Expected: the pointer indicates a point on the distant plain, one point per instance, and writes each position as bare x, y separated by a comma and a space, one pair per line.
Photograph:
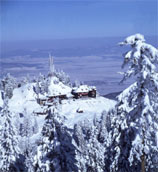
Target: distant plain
94, 61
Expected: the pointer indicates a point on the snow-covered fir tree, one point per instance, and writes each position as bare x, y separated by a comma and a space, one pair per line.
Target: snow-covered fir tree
27, 125
7, 84
26, 131
90, 153
35, 126
135, 125
25, 80
9, 150
63, 77
36, 88
42, 84
55, 152
46, 147
76, 83
91, 141
28, 154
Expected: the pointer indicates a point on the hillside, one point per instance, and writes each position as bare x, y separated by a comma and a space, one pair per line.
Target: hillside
23, 104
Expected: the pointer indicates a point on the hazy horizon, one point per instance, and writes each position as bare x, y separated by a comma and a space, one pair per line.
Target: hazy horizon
94, 61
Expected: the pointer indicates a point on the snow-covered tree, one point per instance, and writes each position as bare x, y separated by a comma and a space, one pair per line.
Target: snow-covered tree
63, 77
135, 128
42, 84
91, 140
35, 126
36, 88
7, 84
76, 83
42, 162
27, 125
55, 152
25, 80
26, 131
81, 147
9, 151
28, 154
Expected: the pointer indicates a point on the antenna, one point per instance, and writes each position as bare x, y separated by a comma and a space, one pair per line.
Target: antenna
51, 65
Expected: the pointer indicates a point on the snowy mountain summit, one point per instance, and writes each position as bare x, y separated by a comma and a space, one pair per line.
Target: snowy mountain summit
27, 98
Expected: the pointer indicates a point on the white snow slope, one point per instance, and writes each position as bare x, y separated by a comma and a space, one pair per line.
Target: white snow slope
24, 101
89, 108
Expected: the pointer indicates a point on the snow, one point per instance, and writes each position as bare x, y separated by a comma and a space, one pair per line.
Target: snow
123, 97
83, 89
91, 107
133, 39
24, 98
41, 96
58, 88
24, 101
40, 121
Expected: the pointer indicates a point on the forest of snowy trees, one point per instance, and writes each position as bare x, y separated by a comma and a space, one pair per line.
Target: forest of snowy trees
123, 139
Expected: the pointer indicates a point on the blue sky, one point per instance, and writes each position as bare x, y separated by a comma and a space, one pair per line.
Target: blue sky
35, 20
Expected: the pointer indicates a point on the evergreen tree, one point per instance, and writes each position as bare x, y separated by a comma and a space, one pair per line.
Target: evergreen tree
7, 84
80, 147
35, 126
42, 84
28, 154
36, 88
26, 146
9, 151
136, 122
55, 152
46, 147
25, 80
27, 125
76, 83
91, 140
63, 77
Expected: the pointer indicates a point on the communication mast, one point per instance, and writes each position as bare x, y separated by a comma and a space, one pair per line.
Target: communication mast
51, 66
